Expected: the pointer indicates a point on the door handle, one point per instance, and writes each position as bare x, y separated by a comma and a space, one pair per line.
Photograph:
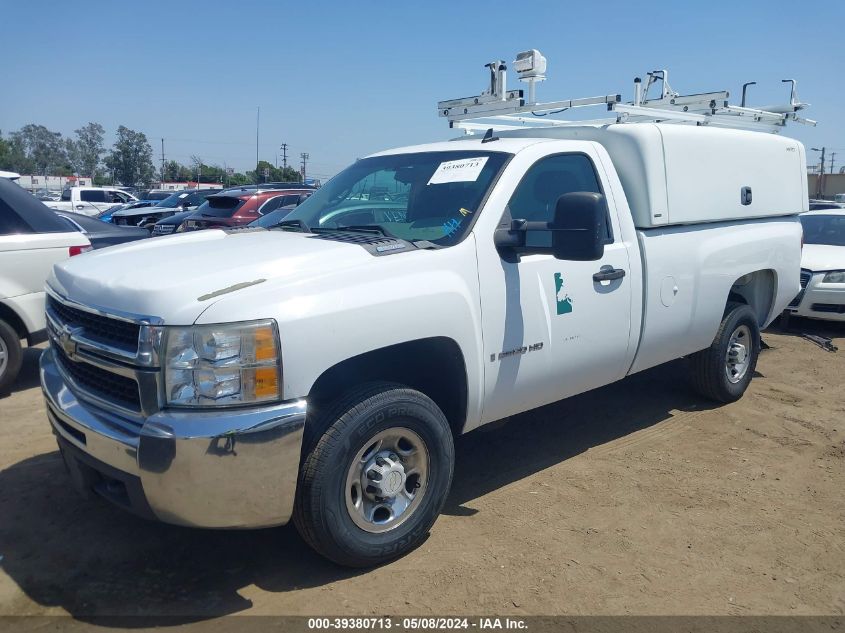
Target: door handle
609, 275
79, 207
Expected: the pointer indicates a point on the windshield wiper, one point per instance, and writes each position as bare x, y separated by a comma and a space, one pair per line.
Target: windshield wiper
292, 224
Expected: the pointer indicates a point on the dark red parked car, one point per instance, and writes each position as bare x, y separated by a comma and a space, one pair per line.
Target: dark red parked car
238, 207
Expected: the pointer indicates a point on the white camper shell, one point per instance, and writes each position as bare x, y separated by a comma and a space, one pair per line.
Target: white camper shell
682, 174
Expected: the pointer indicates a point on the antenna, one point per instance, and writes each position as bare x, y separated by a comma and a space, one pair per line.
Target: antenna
503, 109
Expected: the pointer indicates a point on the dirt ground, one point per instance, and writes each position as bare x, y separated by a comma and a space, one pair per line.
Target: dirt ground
638, 498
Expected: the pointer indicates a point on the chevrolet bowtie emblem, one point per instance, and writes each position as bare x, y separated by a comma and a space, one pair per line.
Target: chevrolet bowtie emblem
66, 341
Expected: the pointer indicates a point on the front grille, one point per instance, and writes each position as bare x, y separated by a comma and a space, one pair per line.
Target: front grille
121, 334
833, 308
99, 382
806, 275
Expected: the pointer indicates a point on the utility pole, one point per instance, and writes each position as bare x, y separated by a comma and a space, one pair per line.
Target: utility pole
162, 160
257, 121
305, 156
832, 156
284, 148
820, 183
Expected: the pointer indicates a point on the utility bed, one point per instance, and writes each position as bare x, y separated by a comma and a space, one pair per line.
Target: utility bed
682, 174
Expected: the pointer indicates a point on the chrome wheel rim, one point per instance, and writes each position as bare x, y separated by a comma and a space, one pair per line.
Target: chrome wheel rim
4, 357
387, 480
738, 356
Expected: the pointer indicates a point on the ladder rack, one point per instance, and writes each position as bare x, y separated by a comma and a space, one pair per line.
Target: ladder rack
502, 109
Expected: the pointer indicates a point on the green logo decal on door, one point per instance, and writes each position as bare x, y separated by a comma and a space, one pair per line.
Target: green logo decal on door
564, 304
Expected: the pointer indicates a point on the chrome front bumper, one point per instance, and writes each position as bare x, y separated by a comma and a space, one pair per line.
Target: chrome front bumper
234, 468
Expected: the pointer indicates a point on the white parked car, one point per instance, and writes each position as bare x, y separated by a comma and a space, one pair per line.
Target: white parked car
90, 200
822, 293
32, 239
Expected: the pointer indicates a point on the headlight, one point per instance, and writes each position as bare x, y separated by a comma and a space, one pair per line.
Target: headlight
218, 365
834, 277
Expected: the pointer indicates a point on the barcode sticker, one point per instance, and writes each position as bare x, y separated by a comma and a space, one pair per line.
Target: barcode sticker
463, 170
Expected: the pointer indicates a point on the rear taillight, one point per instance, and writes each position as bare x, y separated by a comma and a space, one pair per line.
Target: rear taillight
78, 250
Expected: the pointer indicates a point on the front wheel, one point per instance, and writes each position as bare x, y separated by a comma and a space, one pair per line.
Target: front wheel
375, 481
723, 371
11, 355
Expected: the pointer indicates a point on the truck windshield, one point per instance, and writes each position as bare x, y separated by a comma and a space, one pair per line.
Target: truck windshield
824, 229
430, 196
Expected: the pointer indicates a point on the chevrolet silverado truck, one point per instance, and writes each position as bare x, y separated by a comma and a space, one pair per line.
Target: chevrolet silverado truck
319, 370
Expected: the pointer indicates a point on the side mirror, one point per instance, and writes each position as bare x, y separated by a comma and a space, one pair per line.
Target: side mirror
579, 230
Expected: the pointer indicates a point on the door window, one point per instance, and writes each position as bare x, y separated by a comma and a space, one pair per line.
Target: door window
547, 180
92, 195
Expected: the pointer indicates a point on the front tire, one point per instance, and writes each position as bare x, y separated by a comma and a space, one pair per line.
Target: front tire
723, 371
375, 481
11, 356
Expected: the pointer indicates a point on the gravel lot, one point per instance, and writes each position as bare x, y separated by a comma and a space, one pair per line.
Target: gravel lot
636, 498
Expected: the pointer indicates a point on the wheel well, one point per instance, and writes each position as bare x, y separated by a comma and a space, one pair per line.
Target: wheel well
433, 366
757, 290
11, 317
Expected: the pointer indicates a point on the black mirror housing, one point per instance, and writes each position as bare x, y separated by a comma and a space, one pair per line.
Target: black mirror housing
579, 230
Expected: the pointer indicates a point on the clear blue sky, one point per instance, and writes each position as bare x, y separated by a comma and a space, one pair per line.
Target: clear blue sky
343, 79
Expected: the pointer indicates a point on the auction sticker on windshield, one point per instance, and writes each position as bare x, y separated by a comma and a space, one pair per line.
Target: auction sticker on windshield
463, 170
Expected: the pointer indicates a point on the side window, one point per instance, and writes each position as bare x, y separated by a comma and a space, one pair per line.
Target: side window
271, 205
92, 195
536, 195
10, 222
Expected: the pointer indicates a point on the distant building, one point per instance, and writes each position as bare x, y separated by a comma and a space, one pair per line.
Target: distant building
830, 185
35, 183
180, 186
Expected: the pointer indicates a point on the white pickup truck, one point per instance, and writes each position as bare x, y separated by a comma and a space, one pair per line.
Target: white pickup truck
319, 370
90, 200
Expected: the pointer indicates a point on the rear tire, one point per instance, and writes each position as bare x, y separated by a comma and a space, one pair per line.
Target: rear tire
377, 478
10, 356
723, 371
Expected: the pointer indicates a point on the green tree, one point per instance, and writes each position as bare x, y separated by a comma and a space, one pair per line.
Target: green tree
274, 174
43, 150
131, 158
85, 152
237, 179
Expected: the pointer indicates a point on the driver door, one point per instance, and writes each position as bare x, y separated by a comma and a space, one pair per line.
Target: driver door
550, 329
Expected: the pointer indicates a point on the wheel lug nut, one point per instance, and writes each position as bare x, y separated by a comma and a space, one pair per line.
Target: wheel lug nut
373, 475
381, 461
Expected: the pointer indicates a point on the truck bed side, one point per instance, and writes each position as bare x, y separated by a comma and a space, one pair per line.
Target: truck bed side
690, 271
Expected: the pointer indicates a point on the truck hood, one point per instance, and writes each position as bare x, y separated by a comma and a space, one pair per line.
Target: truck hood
175, 278
818, 257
